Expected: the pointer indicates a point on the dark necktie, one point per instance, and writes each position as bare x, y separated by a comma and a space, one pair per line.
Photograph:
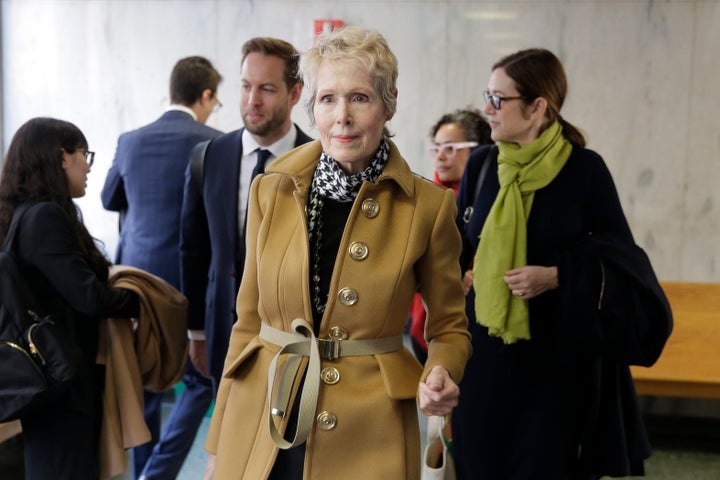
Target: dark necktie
262, 156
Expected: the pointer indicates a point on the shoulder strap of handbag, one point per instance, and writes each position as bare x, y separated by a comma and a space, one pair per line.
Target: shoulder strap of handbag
13, 289
12, 229
197, 164
491, 155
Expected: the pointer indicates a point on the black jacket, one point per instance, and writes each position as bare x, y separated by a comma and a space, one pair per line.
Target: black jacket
627, 322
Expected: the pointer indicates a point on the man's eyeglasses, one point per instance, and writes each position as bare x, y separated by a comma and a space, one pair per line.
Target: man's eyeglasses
497, 100
217, 105
450, 148
89, 157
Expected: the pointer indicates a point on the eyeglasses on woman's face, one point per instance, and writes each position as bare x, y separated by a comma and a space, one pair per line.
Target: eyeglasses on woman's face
89, 157
497, 100
450, 148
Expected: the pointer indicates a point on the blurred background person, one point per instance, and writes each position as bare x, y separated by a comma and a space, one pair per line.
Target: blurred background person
45, 168
215, 196
454, 137
145, 185
544, 395
374, 231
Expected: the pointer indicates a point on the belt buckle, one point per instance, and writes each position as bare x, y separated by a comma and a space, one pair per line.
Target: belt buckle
330, 349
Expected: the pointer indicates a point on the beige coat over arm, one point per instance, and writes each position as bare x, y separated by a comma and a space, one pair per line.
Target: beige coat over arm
411, 242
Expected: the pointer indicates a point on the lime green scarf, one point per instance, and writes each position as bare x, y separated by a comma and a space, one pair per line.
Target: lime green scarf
503, 240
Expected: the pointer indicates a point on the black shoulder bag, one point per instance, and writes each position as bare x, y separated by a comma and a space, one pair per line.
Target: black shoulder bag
197, 164
37, 356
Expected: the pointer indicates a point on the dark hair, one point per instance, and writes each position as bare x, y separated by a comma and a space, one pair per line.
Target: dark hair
537, 72
472, 122
278, 48
32, 172
190, 77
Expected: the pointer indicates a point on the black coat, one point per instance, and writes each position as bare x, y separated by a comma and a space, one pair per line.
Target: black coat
60, 279
61, 440
627, 320
527, 409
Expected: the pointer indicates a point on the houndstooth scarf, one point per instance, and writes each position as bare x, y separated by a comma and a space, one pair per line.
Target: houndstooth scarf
331, 182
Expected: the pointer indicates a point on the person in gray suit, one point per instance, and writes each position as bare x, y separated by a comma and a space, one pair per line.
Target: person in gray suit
145, 184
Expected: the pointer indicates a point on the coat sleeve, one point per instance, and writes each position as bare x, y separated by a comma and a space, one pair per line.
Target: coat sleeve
247, 326
48, 243
440, 282
604, 213
194, 251
113, 192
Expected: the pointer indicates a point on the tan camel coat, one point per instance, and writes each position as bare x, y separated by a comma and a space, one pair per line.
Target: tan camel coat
151, 356
411, 242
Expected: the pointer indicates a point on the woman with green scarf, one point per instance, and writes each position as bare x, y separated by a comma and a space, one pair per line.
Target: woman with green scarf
526, 400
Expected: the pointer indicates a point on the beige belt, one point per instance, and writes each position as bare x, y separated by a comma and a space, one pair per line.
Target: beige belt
303, 343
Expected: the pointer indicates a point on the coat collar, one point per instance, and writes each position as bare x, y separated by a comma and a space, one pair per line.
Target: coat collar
300, 164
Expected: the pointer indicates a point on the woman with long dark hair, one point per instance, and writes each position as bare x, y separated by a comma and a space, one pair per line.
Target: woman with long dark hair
46, 166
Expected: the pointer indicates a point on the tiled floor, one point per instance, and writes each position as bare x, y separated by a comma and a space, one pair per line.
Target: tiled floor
695, 461
683, 449
680, 453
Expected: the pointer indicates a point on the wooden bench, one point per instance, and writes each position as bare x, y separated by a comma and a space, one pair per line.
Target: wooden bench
690, 363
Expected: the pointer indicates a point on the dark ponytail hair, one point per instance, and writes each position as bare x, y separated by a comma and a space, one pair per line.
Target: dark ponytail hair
32, 172
537, 72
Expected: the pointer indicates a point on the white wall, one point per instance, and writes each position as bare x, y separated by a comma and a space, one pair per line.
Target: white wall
643, 84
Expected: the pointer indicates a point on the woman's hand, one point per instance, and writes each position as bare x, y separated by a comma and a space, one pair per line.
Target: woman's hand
468, 280
531, 280
438, 394
210, 468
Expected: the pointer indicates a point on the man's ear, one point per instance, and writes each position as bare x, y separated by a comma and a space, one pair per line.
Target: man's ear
207, 95
295, 93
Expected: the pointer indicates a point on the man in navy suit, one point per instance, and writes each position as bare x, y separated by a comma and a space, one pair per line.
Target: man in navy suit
213, 216
145, 184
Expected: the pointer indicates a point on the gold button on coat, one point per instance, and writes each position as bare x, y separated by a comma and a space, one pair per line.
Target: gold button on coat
338, 333
370, 208
326, 421
358, 250
348, 296
330, 375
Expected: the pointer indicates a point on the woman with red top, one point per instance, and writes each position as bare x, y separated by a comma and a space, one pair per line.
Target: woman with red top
454, 137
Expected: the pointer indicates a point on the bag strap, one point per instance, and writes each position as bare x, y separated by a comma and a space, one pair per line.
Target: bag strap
12, 229
492, 155
197, 164
16, 295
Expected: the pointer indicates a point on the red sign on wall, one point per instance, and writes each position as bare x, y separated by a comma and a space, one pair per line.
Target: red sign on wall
327, 25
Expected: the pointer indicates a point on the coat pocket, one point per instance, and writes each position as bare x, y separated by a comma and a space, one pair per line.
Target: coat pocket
400, 373
253, 346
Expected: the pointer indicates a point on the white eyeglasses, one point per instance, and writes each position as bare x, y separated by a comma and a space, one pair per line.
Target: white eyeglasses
450, 148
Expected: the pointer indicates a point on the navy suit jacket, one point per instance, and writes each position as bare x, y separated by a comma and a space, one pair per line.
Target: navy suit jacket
212, 258
145, 184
